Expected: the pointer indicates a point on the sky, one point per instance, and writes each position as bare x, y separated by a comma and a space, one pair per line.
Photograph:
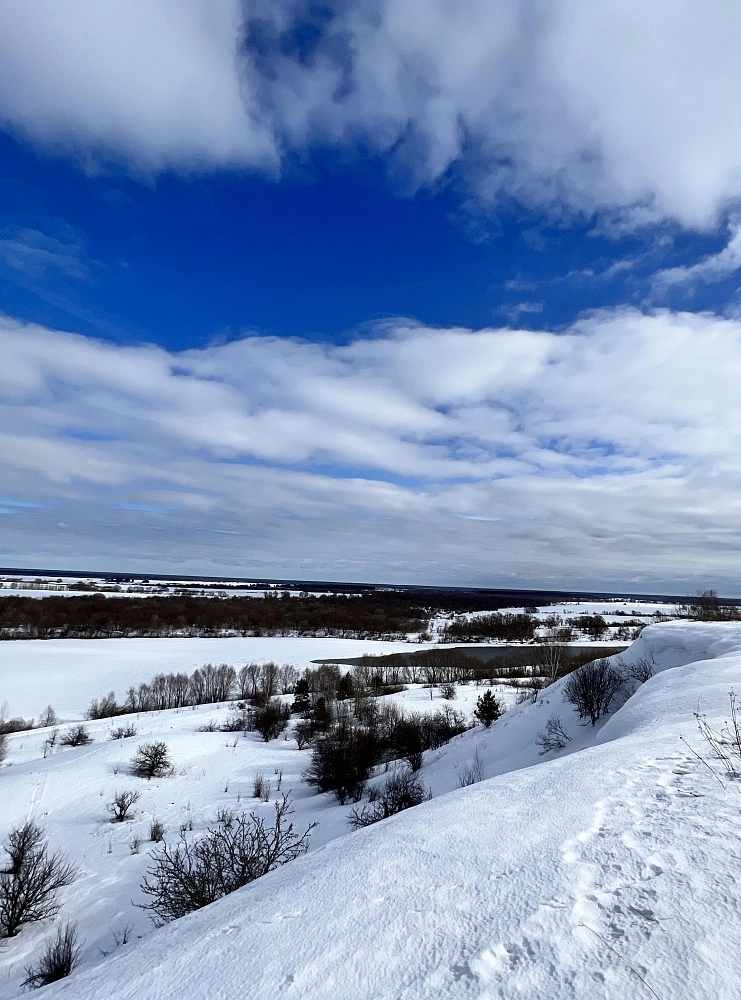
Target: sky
407, 291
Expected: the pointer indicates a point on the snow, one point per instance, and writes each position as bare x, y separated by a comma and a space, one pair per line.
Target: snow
69, 673
564, 877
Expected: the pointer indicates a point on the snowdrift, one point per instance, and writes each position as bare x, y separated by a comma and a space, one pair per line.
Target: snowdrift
610, 871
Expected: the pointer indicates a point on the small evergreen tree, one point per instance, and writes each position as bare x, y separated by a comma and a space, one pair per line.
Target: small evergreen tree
488, 708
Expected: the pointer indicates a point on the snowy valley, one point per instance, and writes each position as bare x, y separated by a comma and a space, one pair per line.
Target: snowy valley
601, 869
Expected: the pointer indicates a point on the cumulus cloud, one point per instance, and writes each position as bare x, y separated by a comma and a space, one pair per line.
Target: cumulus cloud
415, 454
626, 110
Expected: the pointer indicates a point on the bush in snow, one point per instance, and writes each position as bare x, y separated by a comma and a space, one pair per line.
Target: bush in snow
30, 880
554, 737
342, 760
401, 790
77, 736
3, 747
592, 688
61, 955
123, 732
151, 760
105, 708
488, 708
120, 805
156, 831
725, 742
642, 670
448, 691
261, 788
271, 720
193, 874
473, 773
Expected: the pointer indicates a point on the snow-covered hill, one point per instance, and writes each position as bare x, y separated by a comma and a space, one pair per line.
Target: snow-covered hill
609, 871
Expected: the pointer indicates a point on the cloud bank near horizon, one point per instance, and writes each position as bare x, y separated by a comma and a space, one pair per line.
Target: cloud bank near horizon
565, 108
414, 454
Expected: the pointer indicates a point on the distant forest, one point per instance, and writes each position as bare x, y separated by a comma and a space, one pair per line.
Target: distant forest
373, 615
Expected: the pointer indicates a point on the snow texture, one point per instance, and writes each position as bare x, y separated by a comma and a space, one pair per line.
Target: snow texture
607, 869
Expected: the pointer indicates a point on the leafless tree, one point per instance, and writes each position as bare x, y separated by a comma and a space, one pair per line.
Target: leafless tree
121, 804
151, 760
193, 874
642, 670
550, 657
592, 687
48, 717
77, 736
31, 879
554, 737
105, 708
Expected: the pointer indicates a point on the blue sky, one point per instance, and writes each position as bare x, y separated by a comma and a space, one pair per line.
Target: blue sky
424, 291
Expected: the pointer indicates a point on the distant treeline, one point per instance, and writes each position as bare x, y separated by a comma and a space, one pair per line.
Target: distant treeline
376, 615
98, 616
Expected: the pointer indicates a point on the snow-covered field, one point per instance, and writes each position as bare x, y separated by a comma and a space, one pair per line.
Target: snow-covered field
69, 673
604, 870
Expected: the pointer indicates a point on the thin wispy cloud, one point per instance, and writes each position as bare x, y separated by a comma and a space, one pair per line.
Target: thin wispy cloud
37, 255
714, 267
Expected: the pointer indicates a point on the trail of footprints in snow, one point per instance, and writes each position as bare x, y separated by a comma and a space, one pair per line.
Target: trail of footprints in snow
611, 871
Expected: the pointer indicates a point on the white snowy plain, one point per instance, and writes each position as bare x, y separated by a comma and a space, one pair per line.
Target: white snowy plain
607, 869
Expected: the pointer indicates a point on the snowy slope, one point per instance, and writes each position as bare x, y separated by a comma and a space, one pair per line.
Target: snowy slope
546, 881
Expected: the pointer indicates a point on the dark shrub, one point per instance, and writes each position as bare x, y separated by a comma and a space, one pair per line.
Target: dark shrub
592, 687
61, 955
120, 805
342, 761
151, 760
193, 874
77, 736
30, 880
401, 790
488, 708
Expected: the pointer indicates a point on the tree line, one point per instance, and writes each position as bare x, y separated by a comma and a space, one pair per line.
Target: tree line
98, 616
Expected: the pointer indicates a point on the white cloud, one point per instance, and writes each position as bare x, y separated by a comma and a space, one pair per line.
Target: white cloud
418, 454
714, 267
628, 110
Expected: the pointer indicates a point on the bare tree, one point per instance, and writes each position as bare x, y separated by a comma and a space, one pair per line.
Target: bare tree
48, 717
120, 805
77, 736
550, 657
193, 874
554, 737
287, 676
3, 746
642, 670
104, 708
61, 955
592, 687
30, 882
151, 760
